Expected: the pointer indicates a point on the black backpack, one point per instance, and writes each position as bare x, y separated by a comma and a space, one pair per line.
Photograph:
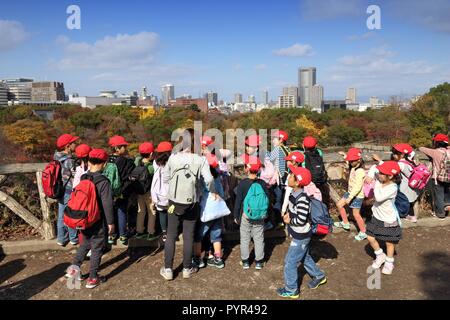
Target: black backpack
314, 163
141, 179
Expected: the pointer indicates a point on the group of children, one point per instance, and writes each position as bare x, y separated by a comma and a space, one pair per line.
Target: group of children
189, 192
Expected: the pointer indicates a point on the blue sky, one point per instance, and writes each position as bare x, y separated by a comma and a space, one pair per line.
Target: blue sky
228, 46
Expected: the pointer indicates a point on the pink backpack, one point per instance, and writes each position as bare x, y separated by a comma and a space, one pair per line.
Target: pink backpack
419, 177
269, 174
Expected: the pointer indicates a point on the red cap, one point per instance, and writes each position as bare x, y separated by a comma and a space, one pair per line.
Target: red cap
164, 146
309, 142
280, 134
353, 154
303, 175
253, 162
253, 141
82, 151
117, 141
146, 148
206, 141
403, 148
212, 160
99, 154
65, 140
389, 168
295, 156
441, 138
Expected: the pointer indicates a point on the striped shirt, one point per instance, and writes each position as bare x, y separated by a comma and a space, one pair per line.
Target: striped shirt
277, 158
299, 211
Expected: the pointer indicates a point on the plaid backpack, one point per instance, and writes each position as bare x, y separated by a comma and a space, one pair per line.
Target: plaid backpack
443, 174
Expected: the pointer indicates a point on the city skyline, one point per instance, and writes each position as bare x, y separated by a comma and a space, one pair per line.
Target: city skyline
152, 52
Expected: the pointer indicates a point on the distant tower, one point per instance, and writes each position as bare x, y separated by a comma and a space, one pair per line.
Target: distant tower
144, 92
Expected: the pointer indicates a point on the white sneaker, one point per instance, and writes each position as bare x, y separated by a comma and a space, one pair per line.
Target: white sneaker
187, 273
378, 262
388, 268
166, 273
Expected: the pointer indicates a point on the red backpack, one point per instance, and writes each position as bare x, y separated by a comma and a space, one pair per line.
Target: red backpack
83, 210
52, 180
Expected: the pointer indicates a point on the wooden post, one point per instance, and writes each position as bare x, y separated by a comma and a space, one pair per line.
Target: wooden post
47, 225
26, 215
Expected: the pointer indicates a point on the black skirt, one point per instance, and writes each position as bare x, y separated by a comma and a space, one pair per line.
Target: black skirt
377, 229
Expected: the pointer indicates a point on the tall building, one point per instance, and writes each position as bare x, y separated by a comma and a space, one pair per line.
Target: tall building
213, 98
351, 96
265, 97
3, 95
144, 93
292, 91
238, 98
316, 99
251, 99
306, 80
18, 89
47, 91
374, 102
168, 93
286, 101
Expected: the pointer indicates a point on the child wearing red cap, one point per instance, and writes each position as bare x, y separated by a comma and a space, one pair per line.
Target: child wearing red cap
94, 238
299, 228
81, 163
124, 166
160, 188
354, 197
145, 206
250, 228
385, 224
66, 145
440, 155
212, 210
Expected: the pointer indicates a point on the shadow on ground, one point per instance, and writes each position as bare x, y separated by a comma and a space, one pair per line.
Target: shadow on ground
435, 277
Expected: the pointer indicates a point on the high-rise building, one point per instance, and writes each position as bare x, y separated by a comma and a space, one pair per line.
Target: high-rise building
251, 99
265, 97
286, 101
238, 98
213, 98
168, 93
292, 91
316, 98
144, 93
351, 95
18, 89
47, 91
306, 80
3, 95
374, 102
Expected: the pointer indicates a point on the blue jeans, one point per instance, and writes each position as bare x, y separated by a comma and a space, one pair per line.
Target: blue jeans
356, 202
65, 234
299, 252
120, 210
213, 227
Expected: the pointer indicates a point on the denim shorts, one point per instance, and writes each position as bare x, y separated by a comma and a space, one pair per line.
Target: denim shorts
214, 228
356, 202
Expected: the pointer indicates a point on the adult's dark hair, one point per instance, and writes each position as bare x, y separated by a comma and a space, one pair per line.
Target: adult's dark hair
96, 161
441, 144
162, 158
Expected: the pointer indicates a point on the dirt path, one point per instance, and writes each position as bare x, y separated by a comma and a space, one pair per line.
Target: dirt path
422, 272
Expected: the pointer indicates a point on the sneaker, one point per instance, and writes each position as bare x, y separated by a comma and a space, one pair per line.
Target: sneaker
187, 273
388, 268
378, 262
317, 282
74, 243
413, 219
123, 240
93, 283
141, 235
198, 262
259, 265
282, 292
151, 237
164, 236
361, 236
216, 262
245, 264
340, 224
166, 273
61, 244
112, 240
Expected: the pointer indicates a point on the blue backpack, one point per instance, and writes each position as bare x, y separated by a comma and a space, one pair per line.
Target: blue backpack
321, 222
256, 203
402, 204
